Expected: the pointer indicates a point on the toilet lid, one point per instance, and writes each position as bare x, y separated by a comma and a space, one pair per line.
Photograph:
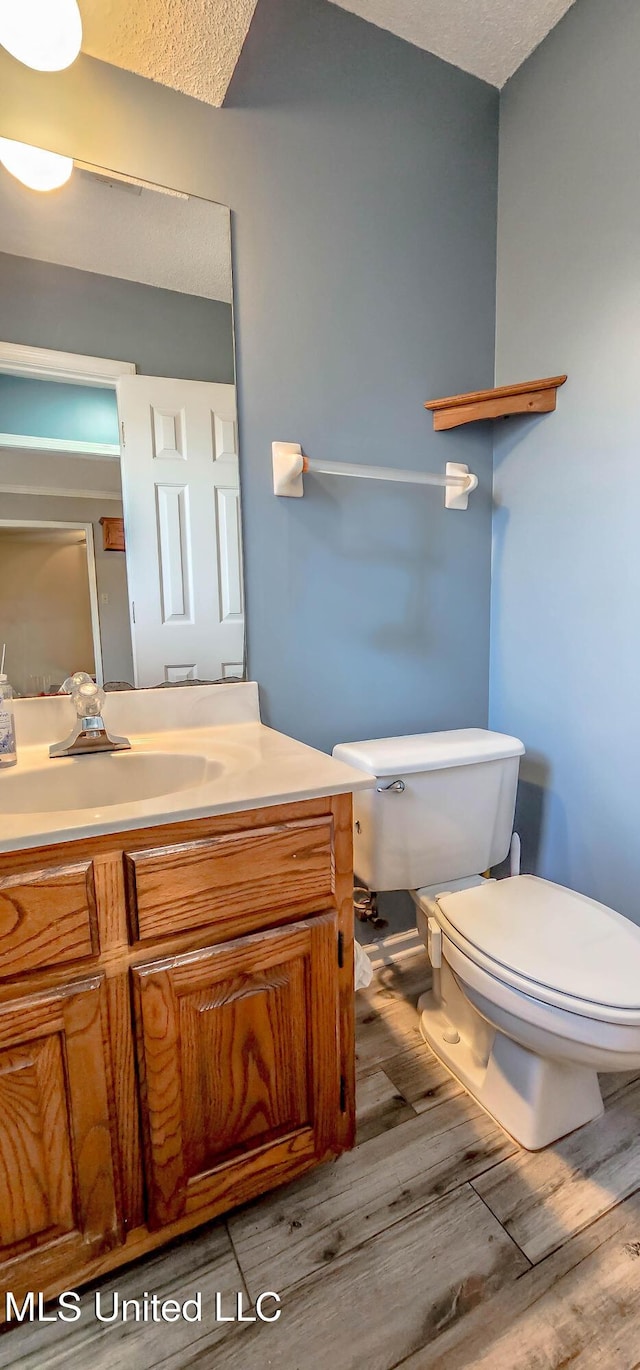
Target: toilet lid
554, 938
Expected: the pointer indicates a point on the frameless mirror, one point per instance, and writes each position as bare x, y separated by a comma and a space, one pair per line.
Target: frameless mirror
120, 537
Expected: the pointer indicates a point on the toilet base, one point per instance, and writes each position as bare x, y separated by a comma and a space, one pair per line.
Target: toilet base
536, 1100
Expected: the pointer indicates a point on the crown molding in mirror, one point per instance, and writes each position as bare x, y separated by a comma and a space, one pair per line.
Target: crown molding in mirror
57, 492
44, 364
70, 446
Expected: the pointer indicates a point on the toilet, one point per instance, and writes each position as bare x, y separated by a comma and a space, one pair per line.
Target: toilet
535, 987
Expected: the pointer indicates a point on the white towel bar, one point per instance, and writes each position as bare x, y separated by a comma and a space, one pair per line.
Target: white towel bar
289, 466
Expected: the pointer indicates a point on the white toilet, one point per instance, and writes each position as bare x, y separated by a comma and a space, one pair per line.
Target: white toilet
535, 987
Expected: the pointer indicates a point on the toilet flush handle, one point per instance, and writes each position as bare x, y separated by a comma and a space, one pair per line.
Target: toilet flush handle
395, 787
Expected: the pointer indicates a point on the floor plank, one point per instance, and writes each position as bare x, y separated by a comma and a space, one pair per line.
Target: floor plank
579, 1307
542, 1198
420, 1078
301, 1229
407, 975
379, 1105
616, 1082
396, 1292
386, 1012
204, 1262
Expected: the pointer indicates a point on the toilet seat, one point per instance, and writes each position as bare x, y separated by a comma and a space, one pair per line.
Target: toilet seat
549, 943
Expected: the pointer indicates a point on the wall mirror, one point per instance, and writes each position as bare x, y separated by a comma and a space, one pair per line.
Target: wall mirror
120, 534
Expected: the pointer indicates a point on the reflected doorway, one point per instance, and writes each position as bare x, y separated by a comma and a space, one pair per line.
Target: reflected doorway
48, 604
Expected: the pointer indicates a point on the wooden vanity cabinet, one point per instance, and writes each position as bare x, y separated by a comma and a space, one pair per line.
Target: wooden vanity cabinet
176, 1031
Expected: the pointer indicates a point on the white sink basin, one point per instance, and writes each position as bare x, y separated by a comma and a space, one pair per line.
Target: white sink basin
99, 782
195, 753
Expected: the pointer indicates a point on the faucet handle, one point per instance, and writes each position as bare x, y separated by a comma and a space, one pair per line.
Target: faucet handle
89, 700
73, 682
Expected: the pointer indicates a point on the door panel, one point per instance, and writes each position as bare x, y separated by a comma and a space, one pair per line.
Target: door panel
229, 553
238, 1058
174, 550
181, 503
57, 1175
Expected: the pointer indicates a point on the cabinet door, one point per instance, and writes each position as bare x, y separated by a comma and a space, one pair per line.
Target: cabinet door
239, 1064
58, 1205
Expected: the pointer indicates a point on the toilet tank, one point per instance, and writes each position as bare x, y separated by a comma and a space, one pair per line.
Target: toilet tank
451, 816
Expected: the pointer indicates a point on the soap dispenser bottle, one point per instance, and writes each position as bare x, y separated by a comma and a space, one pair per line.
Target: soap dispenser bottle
8, 754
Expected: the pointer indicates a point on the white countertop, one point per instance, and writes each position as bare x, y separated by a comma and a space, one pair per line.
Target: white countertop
245, 765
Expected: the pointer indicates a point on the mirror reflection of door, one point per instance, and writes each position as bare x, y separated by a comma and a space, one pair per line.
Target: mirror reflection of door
105, 269
180, 479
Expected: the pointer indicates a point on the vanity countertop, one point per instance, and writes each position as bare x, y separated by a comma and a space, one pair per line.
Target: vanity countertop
206, 744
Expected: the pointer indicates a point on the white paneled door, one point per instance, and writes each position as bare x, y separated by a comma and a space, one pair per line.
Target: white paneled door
182, 520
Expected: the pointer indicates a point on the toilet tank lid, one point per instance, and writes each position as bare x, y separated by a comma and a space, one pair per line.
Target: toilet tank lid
428, 751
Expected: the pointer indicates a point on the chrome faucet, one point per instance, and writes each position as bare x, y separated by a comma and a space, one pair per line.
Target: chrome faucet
89, 733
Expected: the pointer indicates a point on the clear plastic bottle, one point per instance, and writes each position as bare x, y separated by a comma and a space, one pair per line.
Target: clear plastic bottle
8, 753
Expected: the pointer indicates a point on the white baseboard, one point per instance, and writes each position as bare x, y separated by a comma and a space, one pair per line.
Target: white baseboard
395, 946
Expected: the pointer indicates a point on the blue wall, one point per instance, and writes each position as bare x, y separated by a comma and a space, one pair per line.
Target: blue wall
46, 409
565, 662
364, 184
164, 332
361, 173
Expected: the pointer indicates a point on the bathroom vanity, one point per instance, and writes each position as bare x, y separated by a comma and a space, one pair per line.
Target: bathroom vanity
176, 979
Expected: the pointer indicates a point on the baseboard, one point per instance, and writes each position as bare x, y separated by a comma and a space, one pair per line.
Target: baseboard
394, 947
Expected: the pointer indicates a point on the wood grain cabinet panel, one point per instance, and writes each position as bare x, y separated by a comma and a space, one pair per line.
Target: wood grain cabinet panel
57, 1182
38, 1194
235, 881
47, 918
239, 1065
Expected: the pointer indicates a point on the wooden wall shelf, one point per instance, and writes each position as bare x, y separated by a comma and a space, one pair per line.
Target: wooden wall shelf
530, 397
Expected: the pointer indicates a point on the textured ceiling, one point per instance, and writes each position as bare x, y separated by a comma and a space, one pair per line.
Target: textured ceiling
489, 38
179, 243
189, 45
193, 45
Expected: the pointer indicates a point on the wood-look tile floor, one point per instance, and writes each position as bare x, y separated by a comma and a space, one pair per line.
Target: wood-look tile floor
436, 1243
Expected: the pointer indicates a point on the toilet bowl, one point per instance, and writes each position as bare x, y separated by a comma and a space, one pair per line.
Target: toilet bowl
535, 990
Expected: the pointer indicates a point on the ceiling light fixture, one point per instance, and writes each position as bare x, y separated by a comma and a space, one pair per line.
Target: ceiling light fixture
37, 169
44, 34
